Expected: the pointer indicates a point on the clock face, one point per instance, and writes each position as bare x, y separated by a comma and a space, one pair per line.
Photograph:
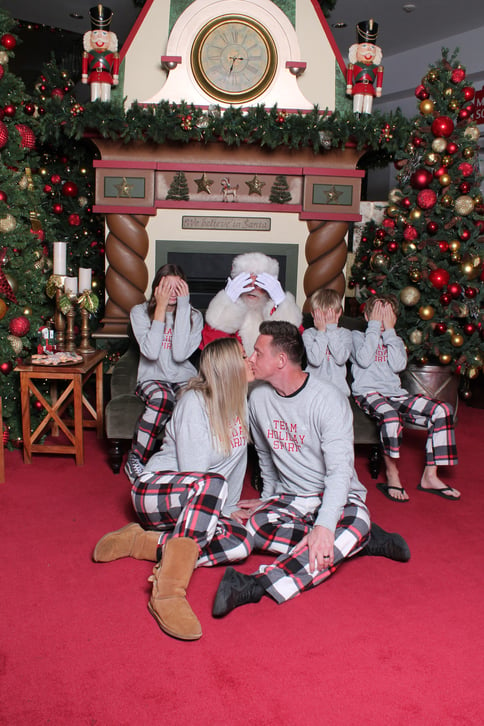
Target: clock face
234, 58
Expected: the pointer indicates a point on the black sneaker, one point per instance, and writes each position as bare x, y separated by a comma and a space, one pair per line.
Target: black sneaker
235, 589
133, 467
386, 544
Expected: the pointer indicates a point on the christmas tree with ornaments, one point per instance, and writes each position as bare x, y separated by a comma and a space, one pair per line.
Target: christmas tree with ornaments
428, 250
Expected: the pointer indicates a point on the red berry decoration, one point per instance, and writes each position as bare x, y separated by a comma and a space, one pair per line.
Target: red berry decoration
439, 278
465, 187
426, 199
26, 135
421, 179
69, 189
19, 326
8, 41
442, 126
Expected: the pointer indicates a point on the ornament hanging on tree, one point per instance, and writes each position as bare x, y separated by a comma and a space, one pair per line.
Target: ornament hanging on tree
8, 41
19, 326
3, 135
27, 136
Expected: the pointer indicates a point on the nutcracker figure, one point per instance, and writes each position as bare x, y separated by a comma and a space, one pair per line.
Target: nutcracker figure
364, 69
100, 61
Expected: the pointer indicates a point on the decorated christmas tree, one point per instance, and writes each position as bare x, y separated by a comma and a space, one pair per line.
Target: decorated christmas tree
427, 250
24, 307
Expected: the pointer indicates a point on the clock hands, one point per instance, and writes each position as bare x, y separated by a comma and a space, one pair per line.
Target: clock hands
233, 58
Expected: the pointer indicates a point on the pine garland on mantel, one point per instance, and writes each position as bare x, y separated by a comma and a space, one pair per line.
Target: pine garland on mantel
271, 128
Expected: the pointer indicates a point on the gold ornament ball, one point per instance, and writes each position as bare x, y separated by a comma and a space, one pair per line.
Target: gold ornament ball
439, 144
15, 343
445, 358
392, 211
379, 261
431, 158
415, 214
3, 308
454, 245
8, 223
416, 336
43, 171
464, 205
409, 295
409, 248
477, 198
468, 152
449, 92
27, 311
447, 160
457, 340
3, 57
426, 312
423, 360
378, 243
445, 180
471, 266
472, 133
455, 257
447, 200
12, 282
432, 75
415, 274
426, 107
476, 359
453, 105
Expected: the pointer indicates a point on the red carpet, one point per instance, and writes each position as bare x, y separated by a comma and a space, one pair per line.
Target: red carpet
379, 643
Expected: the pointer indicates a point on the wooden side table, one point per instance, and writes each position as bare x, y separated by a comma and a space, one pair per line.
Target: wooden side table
76, 377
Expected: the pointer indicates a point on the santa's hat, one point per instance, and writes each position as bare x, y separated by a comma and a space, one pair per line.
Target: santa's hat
254, 263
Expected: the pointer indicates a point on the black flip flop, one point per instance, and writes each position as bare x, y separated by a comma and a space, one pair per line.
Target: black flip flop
440, 493
383, 488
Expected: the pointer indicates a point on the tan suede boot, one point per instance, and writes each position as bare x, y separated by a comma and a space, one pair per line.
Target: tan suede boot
170, 579
129, 541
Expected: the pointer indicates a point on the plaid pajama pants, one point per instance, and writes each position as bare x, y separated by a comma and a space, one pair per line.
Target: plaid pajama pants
159, 398
282, 523
436, 416
189, 504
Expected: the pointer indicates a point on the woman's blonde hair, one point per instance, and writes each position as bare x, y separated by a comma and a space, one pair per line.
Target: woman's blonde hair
222, 381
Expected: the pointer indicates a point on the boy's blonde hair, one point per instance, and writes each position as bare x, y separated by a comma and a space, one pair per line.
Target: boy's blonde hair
388, 299
326, 298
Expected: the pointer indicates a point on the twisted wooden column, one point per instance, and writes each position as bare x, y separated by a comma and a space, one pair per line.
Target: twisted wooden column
127, 245
326, 253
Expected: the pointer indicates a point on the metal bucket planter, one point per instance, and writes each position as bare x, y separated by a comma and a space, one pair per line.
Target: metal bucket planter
432, 381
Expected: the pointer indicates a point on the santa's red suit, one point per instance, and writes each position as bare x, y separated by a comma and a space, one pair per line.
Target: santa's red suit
226, 318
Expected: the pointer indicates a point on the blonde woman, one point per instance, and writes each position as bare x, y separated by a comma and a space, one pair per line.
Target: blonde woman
190, 489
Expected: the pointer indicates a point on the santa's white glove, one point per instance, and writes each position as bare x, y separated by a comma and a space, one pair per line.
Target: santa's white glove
238, 285
272, 286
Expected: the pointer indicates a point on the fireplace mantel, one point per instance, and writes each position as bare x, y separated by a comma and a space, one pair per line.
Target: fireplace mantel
137, 181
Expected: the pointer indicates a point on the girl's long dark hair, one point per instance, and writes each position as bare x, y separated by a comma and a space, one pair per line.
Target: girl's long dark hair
163, 271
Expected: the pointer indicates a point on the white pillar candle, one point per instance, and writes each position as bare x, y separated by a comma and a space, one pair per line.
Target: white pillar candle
70, 285
85, 277
60, 255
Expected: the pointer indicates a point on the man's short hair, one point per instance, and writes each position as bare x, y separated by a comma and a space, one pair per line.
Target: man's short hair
325, 299
388, 299
285, 337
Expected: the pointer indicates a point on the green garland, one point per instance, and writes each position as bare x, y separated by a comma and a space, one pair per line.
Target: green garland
166, 122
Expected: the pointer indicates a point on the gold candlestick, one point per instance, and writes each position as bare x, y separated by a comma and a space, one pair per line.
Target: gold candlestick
59, 322
85, 346
70, 341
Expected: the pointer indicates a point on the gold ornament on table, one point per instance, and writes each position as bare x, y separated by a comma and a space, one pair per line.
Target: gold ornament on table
409, 295
416, 337
464, 205
426, 312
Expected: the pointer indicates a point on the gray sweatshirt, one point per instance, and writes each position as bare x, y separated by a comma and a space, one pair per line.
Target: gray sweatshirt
305, 445
188, 445
377, 358
327, 352
166, 346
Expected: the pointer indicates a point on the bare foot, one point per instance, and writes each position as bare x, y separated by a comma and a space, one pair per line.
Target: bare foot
430, 480
393, 479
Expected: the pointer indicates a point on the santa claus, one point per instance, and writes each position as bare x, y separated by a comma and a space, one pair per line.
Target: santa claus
252, 294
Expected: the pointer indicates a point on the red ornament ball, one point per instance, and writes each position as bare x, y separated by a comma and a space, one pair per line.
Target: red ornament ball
27, 136
470, 292
57, 208
454, 289
432, 227
451, 148
57, 93
74, 220
464, 188
1, 72
392, 246
440, 328
8, 41
19, 326
410, 233
442, 126
421, 92
69, 189
439, 278
443, 245
3, 196
466, 169
380, 234
426, 199
421, 178
469, 328
464, 234
469, 93
9, 110
458, 75
6, 367
463, 114
445, 299
29, 109
55, 179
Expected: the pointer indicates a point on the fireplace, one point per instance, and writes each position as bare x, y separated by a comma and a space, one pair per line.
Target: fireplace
207, 264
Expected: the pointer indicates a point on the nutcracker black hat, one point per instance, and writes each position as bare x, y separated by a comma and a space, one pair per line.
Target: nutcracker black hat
367, 31
101, 17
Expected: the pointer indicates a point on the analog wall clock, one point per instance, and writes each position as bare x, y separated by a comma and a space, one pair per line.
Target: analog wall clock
233, 58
